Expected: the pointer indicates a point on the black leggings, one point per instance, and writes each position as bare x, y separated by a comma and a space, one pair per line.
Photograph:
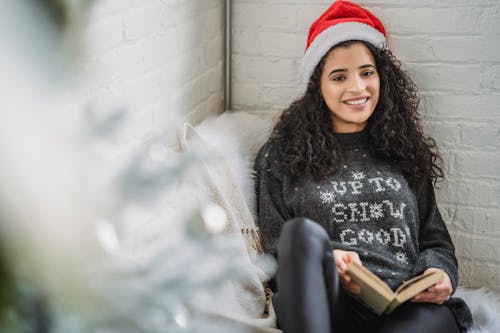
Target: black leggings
310, 300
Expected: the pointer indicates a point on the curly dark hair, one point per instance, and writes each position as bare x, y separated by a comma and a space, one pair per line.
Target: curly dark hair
307, 145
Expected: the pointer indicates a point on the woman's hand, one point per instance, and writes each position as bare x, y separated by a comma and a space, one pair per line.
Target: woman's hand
439, 293
342, 258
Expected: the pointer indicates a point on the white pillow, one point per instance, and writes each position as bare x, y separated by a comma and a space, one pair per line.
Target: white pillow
238, 136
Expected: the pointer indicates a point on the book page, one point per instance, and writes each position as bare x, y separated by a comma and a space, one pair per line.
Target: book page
374, 292
414, 286
419, 280
420, 283
363, 275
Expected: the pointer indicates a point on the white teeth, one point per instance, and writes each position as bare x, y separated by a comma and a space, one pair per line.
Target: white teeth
357, 101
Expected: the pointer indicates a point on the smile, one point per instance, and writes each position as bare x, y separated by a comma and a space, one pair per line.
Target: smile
356, 101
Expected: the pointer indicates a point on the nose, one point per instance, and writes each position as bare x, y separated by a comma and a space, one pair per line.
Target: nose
357, 85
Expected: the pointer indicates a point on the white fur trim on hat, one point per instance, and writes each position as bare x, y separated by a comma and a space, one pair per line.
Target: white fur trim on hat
334, 35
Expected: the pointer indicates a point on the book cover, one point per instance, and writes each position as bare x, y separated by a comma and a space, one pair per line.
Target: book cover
380, 297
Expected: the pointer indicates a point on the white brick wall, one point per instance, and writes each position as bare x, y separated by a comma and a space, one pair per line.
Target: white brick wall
452, 49
153, 58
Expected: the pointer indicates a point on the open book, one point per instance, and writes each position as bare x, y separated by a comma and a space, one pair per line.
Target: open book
380, 297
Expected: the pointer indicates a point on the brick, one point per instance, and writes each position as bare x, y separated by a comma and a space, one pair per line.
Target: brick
104, 9
114, 65
465, 272
268, 43
437, 21
489, 22
195, 91
495, 77
103, 35
453, 134
213, 51
478, 163
476, 274
213, 23
172, 76
159, 49
462, 106
444, 48
280, 17
482, 137
271, 70
480, 193
486, 274
177, 12
446, 77
188, 35
142, 21
207, 5
139, 91
287, 2
306, 16
446, 134
285, 93
472, 220
463, 245
209, 107
246, 95
464, 3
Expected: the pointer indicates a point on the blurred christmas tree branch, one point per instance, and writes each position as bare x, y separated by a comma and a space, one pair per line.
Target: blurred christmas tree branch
66, 264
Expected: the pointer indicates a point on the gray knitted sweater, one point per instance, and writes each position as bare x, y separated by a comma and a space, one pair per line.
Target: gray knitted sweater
367, 206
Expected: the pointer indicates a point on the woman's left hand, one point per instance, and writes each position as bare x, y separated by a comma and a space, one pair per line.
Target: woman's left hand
439, 293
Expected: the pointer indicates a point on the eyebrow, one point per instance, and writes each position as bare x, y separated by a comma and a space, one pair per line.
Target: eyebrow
345, 69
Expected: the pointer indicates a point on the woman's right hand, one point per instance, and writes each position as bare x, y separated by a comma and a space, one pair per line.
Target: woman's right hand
342, 258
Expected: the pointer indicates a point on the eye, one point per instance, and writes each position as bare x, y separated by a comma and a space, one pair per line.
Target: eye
368, 73
338, 78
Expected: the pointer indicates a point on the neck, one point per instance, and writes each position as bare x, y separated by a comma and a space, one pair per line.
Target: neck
348, 128
352, 140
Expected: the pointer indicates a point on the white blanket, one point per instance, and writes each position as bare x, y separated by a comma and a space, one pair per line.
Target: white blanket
226, 176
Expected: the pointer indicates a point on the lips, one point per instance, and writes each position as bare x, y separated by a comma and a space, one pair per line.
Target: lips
357, 101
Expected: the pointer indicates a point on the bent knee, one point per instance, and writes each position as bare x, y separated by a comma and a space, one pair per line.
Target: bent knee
303, 235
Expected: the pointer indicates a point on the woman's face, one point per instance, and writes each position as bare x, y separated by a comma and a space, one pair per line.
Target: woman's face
350, 86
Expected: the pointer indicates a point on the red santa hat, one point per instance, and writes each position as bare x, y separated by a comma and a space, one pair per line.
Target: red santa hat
341, 22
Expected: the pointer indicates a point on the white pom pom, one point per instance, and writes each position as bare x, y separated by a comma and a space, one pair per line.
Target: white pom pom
214, 217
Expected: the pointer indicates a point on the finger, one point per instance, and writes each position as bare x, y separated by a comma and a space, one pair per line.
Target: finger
353, 288
427, 297
341, 268
339, 255
434, 300
440, 289
356, 290
430, 270
345, 278
353, 256
424, 297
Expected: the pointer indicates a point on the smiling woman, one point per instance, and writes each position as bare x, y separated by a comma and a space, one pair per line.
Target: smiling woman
347, 175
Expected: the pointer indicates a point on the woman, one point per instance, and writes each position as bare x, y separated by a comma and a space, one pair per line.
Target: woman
347, 175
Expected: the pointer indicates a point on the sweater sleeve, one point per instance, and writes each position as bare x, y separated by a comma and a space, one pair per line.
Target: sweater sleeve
271, 210
436, 248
